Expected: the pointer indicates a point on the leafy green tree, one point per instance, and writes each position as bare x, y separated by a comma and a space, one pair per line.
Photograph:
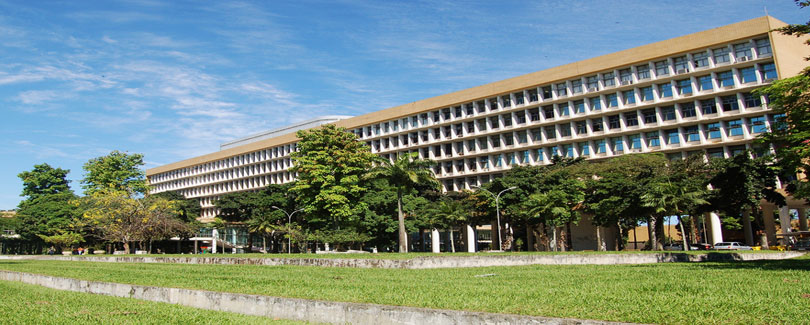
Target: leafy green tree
47, 208
329, 165
449, 213
117, 171
404, 173
63, 240
188, 209
558, 204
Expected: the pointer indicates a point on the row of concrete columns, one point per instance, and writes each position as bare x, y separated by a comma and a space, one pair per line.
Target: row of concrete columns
470, 238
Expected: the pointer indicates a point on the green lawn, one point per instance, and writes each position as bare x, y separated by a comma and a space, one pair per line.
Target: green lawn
728, 292
30, 304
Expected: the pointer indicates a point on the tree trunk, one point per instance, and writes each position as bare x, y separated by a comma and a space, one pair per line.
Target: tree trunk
683, 234
452, 242
422, 239
249, 242
659, 228
126, 247
403, 236
529, 237
651, 230
264, 244
599, 245
554, 238
693, 229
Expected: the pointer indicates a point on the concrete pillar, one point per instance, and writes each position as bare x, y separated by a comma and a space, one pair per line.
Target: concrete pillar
715, 228
195, 247
234, 241
434, 240
802, 219
471, 240
770, 227
784, 222
749, 236
214, 235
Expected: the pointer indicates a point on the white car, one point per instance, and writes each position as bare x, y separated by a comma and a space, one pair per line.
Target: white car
732, 246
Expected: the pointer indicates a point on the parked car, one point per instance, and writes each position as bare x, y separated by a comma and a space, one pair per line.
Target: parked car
801, 245
731, 246
673, 247
700, 247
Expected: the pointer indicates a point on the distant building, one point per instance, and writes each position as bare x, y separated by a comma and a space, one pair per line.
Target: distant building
690, 95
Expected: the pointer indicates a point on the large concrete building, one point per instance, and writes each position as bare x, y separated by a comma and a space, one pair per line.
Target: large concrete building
684, 96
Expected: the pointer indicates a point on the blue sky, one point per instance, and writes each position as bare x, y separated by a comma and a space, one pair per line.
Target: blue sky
173, 79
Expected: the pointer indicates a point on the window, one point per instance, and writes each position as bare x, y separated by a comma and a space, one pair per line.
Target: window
518, 98
700, 59
481, 107
652, 139
748, 75
471, 145
626, 76
533, 95
524, 157
537, 135
579, 106
495, 140
612, 100
584, 149
629, 97
609, 79
725, 79
468, 109
470, 127
601, 146
643, 72
576, 86
617, 145
721, 55
568, 149
734, 128
705, 83
563, 109
520, 117
548, 111
522, 136
554, 151
730, 103
507, 120
736, 150
668, 113
681, 64
483, 143
742, 50
593, 83
498, 160
673, 137
508, 139
715, 153
665, 90
493, 122
546, 92
581, 127
614, 122
687, 109
713, 131
493, 104
634, 141
596, 104
551, 132
768, 71
482, 124
751, 100
565, 130
649, 116
646, 93
684, 86
757, 124
534, 114
484, 161
457, 112
631, 118
661, 68
691, 133
596, 125
540, 154
561, 89
708, 106
763, 46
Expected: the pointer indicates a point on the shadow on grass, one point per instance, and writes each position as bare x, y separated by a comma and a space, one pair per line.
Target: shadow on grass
793, 264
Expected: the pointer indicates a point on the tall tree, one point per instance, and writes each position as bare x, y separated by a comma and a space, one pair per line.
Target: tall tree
404, 173
47, 209
560, 203
449, 212
117, 171
329, 165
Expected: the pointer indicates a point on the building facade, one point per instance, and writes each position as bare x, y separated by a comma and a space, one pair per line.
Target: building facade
690, 95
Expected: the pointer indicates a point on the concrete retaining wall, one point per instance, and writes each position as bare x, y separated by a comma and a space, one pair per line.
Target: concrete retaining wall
430, 262
286, 308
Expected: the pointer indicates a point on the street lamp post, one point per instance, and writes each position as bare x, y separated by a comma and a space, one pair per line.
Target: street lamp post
289, 233
497, 210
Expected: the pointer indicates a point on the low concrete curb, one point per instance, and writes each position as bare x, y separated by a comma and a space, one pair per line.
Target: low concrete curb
286, 308
432, 262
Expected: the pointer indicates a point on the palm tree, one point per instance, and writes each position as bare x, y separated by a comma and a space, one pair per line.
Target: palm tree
404, 173
449, 212
263, 225
670, 198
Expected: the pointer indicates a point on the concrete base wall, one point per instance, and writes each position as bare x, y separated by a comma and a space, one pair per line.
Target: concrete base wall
431, 262
286, 308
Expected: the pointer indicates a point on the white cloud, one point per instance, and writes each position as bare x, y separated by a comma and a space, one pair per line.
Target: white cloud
35, 97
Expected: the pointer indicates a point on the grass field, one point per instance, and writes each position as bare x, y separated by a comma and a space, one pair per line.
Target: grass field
31, 304
728, 292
